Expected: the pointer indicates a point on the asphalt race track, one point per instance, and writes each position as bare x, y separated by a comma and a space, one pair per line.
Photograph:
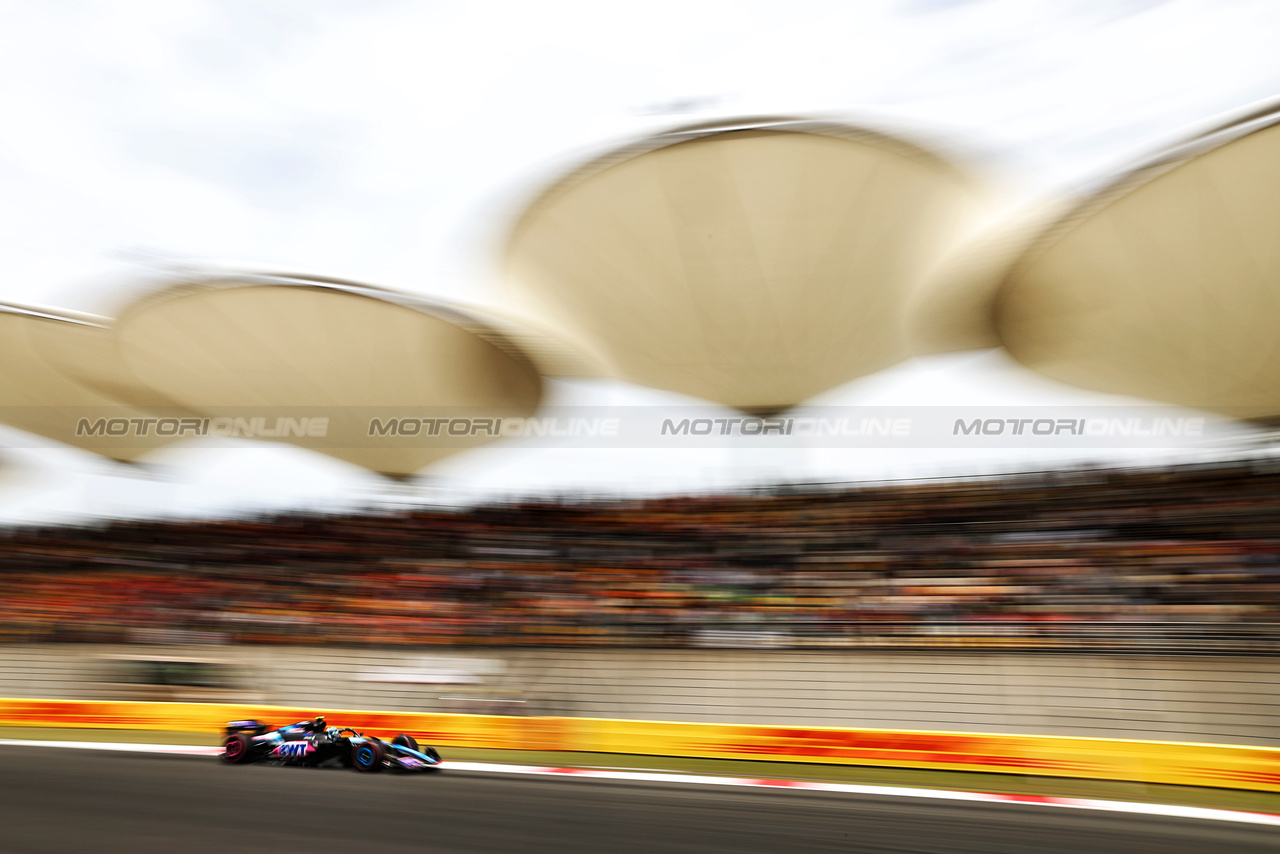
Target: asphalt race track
60, 800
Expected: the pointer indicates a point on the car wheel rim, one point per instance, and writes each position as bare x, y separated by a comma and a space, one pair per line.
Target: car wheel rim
233, 749
365, 756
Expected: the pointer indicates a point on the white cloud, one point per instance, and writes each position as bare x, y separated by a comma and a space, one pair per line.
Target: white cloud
389, 141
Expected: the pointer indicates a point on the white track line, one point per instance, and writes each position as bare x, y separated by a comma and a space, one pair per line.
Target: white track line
1166, 810
186, 749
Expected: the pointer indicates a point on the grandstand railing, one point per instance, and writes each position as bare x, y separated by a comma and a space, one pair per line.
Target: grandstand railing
1061, 635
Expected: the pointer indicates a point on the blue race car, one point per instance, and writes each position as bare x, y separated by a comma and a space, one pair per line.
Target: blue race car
313, 744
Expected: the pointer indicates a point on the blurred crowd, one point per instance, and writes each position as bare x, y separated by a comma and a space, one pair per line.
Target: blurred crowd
1181, 556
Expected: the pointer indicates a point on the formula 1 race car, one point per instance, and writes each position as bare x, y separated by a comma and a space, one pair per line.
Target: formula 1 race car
312, 744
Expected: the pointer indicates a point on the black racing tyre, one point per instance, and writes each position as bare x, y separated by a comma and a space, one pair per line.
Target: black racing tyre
367, 756
405, 741
236, 748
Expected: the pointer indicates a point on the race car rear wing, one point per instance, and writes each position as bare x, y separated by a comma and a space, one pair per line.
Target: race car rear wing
255, 727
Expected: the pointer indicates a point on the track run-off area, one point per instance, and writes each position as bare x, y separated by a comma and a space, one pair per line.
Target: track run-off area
142, 798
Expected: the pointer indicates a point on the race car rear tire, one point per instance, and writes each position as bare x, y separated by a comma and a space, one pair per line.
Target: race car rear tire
405, 741
367, 757
235, 750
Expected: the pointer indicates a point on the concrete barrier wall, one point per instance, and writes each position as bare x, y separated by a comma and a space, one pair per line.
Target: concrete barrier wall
1213, 699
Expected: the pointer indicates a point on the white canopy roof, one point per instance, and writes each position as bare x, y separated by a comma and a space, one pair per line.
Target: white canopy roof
755, 263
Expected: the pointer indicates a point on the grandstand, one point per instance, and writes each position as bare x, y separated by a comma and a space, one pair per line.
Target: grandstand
1178, 559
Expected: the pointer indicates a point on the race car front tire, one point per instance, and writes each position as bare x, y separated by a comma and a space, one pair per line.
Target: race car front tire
405, 741
367, 757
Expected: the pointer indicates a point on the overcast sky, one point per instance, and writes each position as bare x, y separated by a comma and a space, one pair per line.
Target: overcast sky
392, 142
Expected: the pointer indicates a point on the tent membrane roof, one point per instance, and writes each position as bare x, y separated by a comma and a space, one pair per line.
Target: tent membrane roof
753, 262
272, 347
